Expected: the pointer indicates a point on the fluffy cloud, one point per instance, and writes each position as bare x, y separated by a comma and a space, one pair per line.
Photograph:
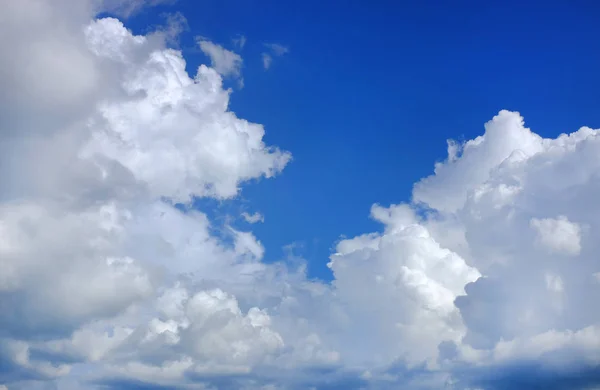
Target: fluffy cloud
558, 234
406, 266
526, 214
93, 155
490, 270
204, 334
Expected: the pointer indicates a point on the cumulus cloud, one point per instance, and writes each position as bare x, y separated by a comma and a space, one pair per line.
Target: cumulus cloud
521, 209
406, 266
489, 270
93, 157
558, 235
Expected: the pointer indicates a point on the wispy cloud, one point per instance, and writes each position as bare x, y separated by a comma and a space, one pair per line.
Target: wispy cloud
239, 41
175, 24
127, 8
225, 62
267, 60
253, 218
277, 49
273, 50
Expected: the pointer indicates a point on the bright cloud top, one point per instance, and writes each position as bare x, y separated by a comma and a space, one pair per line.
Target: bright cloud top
105, 284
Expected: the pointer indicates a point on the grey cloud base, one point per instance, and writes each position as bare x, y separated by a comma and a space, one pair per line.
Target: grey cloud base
105, 284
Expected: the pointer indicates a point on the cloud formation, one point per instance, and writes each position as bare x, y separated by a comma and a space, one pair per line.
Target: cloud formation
485, 279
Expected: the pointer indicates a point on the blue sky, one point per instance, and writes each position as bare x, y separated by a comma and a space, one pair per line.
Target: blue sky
370, 91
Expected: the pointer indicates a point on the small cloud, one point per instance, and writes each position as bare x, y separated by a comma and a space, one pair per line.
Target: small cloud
225, 62
176, 23
253, 218
267, 60
127, 8
291, 248
239, 41
275, 49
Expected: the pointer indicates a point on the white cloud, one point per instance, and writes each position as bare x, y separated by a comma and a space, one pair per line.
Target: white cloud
105, 283
172, 124
403, 285
274, 49
558, 235
505, 138
502, 192
87, 239
225, 62
253, 218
